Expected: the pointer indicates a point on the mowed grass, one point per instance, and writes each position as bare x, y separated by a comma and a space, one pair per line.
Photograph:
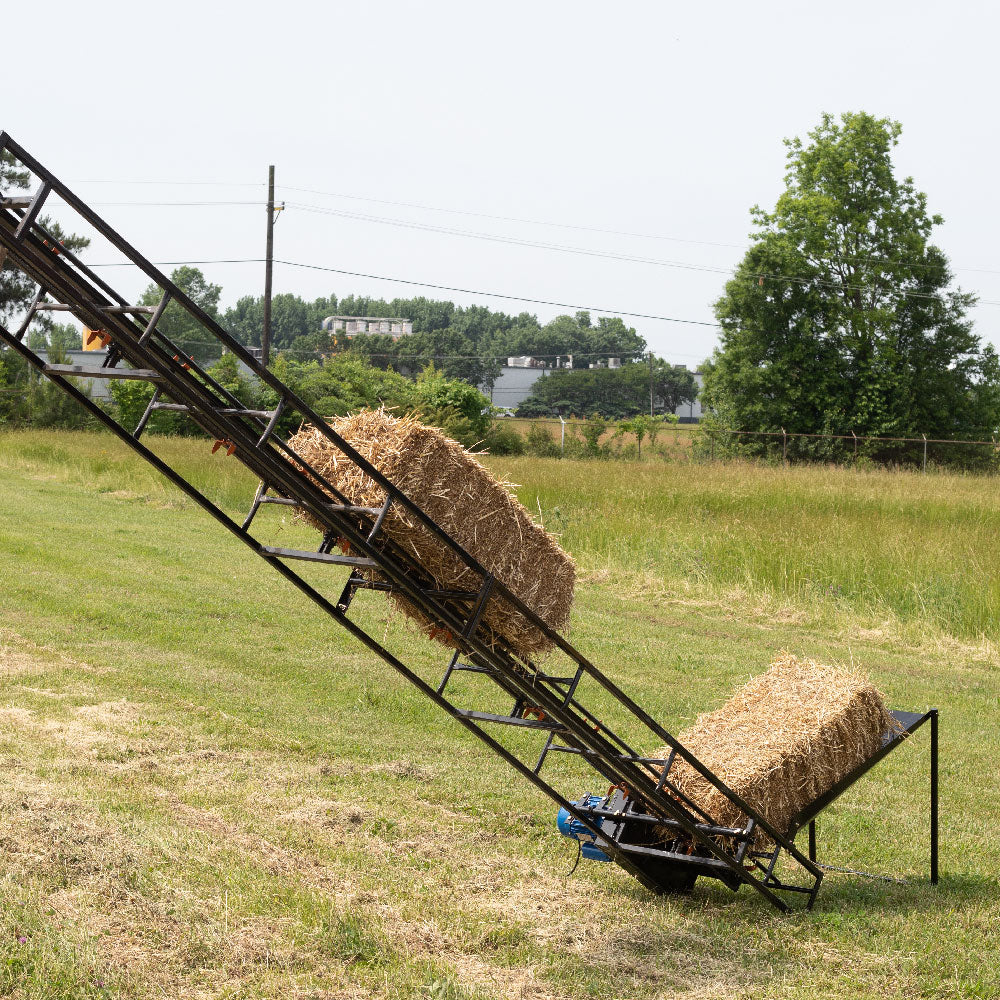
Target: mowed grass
210, 790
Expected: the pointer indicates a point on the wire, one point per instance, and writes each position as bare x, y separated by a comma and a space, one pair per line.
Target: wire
579, 854
508, 218
175, 204
509, 240
500, 295
181, 183
854, 871
596, 229
422, 284
603, 254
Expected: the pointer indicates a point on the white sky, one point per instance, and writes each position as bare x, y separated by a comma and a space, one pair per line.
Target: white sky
654, 118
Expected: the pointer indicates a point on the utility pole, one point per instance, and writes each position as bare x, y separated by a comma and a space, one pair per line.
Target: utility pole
650, 383
265, 334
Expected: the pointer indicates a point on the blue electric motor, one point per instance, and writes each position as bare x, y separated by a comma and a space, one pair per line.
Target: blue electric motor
571, 827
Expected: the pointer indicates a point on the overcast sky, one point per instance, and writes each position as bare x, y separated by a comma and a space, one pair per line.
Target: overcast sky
539, 123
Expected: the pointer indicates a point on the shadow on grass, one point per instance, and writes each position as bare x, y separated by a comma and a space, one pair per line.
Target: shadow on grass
845, 892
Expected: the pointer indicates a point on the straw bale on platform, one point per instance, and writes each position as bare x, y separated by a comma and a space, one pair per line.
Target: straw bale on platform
786, 738
464, 498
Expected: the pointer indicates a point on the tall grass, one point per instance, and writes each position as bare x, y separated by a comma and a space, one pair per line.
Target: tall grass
919, 548
922, 549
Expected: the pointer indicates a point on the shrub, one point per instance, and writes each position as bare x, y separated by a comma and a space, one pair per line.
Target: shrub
503, 440
540, 443
592, 431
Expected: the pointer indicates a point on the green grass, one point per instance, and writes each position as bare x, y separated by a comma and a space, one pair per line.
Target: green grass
210, 790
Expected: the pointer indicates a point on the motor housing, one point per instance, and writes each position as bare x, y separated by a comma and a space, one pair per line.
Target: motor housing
569, 826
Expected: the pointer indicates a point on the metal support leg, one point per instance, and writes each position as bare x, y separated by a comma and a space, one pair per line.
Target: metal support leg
812, 840
145, 417
258, 499
272, 423
155, 318
30, 314
934, 796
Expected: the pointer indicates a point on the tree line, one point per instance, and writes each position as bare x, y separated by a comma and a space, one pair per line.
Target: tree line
470, 343
841, 319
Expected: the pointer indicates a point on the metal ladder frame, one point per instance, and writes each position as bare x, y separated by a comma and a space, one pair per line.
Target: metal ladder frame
251, 436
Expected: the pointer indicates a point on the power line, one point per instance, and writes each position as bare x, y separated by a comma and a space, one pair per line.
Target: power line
603, 254
833, 283
596, 229
179, 183
500, 295
508, 218
509, 240
171, 204
423, 284
500, 218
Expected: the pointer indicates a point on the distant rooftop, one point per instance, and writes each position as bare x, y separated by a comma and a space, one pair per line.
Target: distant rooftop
395, 326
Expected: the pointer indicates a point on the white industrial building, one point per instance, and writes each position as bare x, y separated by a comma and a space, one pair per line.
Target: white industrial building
518, 377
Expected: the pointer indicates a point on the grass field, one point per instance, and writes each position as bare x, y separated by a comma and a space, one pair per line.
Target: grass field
209, 790
674, 441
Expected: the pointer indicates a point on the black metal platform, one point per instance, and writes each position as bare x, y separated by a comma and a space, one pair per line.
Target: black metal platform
550, 702
628, 827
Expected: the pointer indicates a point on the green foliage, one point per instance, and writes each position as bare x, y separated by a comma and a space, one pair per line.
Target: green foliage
344, 383
840, 317
131, 398
503, 440
177, 323
540, 442
576, 335
639, 425
226, 371
466, 342
593, 430
615, 393
456, 407
291, 320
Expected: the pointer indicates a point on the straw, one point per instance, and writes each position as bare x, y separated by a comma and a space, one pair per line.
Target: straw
463, 497
786, 738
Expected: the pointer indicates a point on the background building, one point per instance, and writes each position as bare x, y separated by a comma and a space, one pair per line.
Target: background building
392, 326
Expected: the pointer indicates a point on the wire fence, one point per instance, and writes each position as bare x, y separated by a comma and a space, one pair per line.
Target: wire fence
712, 441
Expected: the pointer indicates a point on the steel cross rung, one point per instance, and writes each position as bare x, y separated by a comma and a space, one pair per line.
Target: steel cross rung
341, 508
323, 557
234, 411
136, 374
110, 310
28, 219
509, 720
473, 669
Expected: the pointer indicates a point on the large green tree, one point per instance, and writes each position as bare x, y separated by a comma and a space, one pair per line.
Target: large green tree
841, 317
177, 323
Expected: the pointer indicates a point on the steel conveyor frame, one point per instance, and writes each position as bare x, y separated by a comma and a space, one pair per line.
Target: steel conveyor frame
136, 343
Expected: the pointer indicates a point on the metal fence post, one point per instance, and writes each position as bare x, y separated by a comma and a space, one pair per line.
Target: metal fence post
562, 436
784, 445
924, 436
853, 435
